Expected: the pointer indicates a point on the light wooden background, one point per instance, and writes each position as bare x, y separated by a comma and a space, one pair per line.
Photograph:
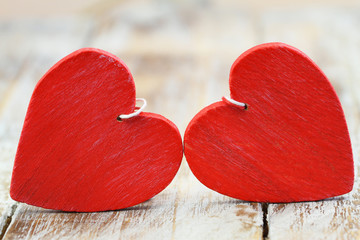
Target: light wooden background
180, 53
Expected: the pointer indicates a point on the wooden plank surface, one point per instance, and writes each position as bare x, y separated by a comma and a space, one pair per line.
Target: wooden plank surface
180, 55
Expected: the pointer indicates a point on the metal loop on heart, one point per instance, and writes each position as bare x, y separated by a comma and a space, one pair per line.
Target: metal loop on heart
135, 113
228, 100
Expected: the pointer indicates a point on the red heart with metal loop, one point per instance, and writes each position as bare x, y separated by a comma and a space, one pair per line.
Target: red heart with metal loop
291, 144
74, 154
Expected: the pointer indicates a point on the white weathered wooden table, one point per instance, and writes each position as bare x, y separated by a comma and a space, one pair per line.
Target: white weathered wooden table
180, 55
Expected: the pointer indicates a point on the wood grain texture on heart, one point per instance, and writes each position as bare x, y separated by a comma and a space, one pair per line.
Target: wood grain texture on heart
74, 155
291, 145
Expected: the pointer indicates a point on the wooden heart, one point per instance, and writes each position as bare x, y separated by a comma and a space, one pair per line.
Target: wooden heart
74, 155
292, 144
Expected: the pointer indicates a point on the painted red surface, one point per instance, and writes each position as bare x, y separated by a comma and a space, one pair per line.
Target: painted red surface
292, 144
74, 155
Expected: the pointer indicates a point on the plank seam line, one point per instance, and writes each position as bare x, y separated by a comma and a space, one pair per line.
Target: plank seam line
174, 219
265, 225
8, 221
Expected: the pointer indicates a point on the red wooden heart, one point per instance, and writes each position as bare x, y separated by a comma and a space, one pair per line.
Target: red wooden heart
291, 145
74, 155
